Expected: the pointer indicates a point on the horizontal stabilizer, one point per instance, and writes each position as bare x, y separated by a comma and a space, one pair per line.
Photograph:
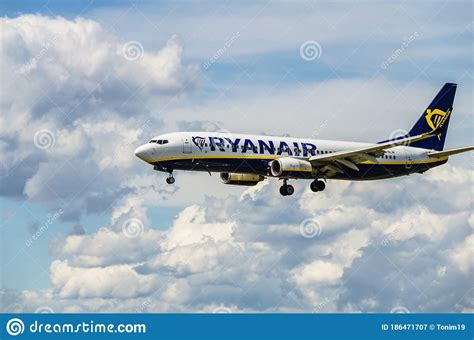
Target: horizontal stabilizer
446, 153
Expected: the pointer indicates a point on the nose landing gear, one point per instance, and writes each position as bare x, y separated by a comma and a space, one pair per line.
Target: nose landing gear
170, 179
317, 185
286, 189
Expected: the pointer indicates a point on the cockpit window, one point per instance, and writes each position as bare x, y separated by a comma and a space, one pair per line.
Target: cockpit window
159, 141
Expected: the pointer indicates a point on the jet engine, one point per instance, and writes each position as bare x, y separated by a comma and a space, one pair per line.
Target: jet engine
240, 179
293, 167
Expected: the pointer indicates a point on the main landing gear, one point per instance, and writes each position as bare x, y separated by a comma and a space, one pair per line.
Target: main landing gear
317, 185
286, 189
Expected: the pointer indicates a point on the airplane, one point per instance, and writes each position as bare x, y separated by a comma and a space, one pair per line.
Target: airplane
249, 159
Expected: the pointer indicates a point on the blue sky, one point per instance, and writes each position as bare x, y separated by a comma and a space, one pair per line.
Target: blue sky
379, 65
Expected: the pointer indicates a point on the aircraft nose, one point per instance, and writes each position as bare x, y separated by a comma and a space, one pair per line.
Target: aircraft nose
141, 152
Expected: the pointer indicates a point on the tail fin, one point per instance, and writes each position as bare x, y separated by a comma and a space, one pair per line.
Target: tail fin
432, 117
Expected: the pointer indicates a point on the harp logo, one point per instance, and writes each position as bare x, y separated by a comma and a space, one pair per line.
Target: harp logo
434, 118
199, 142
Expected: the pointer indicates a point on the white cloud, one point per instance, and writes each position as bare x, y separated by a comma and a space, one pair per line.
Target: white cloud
214, 255
119, 281
71, 78
318, 272
462, 254
191, 227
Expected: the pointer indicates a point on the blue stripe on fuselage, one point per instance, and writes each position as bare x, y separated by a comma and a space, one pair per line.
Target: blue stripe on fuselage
261, 167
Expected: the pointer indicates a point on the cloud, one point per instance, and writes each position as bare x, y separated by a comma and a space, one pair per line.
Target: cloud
318, 272
242, 253
76, 106
119, 281
461, 255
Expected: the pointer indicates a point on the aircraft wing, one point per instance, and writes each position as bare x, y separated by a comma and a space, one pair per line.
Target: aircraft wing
331, 163
446, 153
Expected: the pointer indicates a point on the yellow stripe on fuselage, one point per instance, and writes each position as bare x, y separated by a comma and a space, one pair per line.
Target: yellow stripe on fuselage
271, 157
299, 169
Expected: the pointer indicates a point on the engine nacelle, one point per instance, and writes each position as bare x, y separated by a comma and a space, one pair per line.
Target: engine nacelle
240, 179
291, 167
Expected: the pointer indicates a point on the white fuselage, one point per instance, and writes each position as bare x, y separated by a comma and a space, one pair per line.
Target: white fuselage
208, 145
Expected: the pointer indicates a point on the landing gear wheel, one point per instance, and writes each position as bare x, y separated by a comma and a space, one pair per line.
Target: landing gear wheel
170, 180
287, 190
317, 186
